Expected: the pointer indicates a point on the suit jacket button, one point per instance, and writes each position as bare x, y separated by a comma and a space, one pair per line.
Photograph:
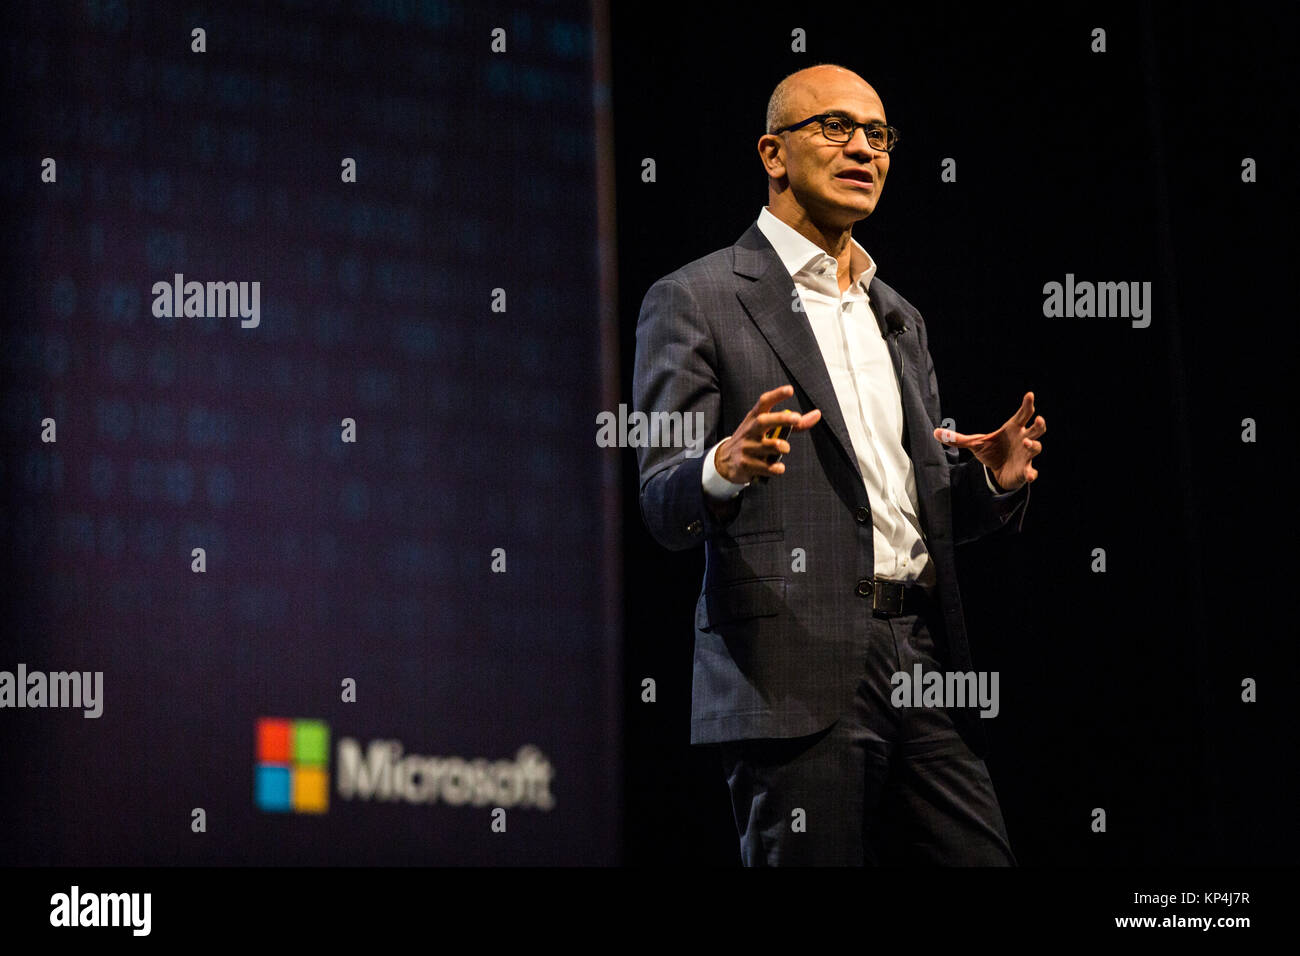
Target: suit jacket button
864, 587
695, 527
863, 514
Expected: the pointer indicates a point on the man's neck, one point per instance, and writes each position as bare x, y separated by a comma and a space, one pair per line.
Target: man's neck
836, 240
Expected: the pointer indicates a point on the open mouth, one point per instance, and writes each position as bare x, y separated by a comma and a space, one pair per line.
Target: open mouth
859, 177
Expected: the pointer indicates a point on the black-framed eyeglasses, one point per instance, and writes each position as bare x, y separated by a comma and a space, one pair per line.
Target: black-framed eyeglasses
839, 128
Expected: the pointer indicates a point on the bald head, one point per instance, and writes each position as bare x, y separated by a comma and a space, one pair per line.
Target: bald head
787, 103
817, 180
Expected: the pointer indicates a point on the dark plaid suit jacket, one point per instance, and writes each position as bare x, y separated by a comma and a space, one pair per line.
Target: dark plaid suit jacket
778, 652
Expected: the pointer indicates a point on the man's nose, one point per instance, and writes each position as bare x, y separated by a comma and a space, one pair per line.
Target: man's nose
858, 145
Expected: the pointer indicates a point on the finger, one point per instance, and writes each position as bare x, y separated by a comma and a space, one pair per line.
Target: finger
759, 467
770, 420
808, 421
768, 399
949, 437
765, 450
778, 445
1031, 473
1026, 411
1037, 429
1034, 446
788, 416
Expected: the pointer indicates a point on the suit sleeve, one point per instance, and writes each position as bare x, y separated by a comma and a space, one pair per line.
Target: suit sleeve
676, 371
977, 511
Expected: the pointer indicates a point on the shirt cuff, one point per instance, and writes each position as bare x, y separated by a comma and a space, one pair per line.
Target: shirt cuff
993, 486
988, 480
715, 486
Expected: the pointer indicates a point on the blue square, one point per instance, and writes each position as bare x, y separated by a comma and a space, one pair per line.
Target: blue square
272, 788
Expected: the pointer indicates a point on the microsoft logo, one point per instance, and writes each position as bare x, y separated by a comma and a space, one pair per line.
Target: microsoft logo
292, 765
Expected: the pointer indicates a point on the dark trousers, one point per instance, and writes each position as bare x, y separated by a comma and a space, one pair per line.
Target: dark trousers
883, 785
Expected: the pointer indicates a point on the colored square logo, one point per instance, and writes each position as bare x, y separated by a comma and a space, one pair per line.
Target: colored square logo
311, 742
273, 737
273, 790
291, 773
310, 790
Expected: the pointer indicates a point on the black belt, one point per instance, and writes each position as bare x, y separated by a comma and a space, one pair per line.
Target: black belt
891, 598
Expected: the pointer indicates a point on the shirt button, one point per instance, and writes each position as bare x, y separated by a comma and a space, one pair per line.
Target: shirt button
862, 515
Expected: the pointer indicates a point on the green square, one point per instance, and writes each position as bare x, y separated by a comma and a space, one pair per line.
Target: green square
311, 742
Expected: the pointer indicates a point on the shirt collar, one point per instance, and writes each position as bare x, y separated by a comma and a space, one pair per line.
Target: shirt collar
798, 253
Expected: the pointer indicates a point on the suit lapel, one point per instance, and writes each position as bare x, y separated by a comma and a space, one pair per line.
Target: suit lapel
767, 296
883, 309
926, 453
768, 299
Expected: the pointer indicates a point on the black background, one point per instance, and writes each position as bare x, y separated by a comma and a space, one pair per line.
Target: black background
1119, 690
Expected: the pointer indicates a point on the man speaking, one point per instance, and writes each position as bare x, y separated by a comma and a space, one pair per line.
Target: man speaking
829, 504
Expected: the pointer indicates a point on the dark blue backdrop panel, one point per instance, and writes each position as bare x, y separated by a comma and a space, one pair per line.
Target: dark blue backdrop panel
327, 560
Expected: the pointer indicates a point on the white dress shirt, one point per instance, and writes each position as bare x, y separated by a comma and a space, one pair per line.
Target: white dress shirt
862, 374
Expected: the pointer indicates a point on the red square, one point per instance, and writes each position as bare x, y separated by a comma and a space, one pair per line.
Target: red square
273, 740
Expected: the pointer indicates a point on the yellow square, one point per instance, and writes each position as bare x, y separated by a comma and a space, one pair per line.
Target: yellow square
310, 790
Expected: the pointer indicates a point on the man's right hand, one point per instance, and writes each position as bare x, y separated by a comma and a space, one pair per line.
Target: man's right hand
744, 456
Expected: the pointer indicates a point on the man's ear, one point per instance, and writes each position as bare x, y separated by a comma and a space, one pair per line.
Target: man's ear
771, 155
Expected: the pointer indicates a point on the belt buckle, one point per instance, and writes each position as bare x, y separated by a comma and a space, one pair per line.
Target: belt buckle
891, 600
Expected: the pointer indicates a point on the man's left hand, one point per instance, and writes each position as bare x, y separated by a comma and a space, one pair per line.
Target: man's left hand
1007, 452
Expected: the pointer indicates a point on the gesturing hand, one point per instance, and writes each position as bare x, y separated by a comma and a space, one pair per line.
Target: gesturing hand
745, 455
1007, 451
